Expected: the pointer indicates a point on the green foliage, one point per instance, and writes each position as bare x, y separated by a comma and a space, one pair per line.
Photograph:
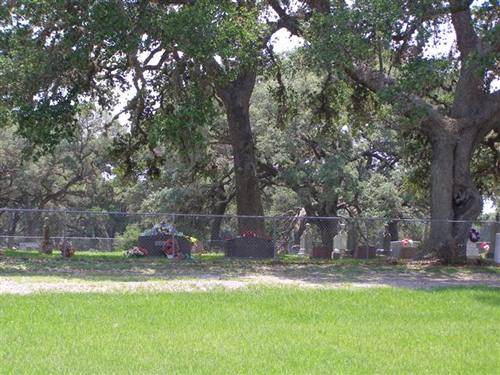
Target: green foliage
128, 238
72, 173
184, 124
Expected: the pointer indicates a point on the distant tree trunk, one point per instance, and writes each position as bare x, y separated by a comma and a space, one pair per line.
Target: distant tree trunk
236, 98
12, 229
393, 230
220, 209
300, 230
327, 230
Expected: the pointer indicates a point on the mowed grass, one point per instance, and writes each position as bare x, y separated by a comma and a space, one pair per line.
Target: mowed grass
257, 331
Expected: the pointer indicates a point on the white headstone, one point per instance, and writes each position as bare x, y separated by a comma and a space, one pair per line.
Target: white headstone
336, 254
497, 249
471, 250
306, 243
396, 246
340, 241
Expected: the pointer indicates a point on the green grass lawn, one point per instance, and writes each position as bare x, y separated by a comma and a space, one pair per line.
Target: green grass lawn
281, 330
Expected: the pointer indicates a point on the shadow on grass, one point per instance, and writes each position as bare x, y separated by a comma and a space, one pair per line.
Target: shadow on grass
492, 300
114, 266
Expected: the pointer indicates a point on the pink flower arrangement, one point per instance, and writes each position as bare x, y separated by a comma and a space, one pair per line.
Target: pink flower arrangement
484, 247
248, 234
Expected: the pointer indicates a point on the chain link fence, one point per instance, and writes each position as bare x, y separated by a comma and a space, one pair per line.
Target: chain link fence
235, 236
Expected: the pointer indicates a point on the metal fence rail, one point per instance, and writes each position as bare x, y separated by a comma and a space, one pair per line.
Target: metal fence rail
106, 231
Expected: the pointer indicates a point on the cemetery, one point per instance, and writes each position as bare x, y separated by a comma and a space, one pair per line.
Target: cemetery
249, 187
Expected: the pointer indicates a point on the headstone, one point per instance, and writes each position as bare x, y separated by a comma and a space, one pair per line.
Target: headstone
336, 254
155, 244
404, 249
396, 248
364, 252
321, 252
340, 240
249, 247
386, 241
306, 241
496, 257
471, 250
495, 228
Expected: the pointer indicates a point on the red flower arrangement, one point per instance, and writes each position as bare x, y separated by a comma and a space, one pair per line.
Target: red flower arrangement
67, 249
249, 234
172, 249
484, 247
137, 252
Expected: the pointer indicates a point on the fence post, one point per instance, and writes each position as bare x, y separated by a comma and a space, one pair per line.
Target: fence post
495, 228
273, 234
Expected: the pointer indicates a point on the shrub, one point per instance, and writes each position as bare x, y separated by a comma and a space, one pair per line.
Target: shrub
128, 239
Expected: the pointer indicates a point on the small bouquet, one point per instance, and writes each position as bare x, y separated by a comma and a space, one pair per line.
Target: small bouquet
172, 249
474, 235
407, 242
137, 252
67, 249
484, 247
249, 234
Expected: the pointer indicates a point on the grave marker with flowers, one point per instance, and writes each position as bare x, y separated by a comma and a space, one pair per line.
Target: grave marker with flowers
249, 245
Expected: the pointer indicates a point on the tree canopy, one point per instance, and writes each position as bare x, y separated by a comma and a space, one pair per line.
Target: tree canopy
368, 117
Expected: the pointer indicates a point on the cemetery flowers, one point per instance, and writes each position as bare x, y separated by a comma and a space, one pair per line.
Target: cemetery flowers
474, 235
137, 252
249, 234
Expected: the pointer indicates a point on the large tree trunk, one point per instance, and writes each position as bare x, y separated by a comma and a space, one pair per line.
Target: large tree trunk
236, 98
455, 199
327, 230
327, 225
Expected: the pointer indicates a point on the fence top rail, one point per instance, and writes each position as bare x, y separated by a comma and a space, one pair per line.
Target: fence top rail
58, 238
228, 216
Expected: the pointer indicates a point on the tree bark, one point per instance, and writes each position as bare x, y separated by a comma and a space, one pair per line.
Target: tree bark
220, 210
455, 199
327, 230
12, 229
393, 230
236, 98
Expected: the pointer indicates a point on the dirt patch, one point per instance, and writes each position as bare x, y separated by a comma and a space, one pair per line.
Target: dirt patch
26, 275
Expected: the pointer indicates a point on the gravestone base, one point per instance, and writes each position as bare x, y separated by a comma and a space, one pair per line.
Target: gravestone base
336, 253
471, 251
155, 244
365, 252
399, 250
249, 247
408, 252
496, 256
321, 252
